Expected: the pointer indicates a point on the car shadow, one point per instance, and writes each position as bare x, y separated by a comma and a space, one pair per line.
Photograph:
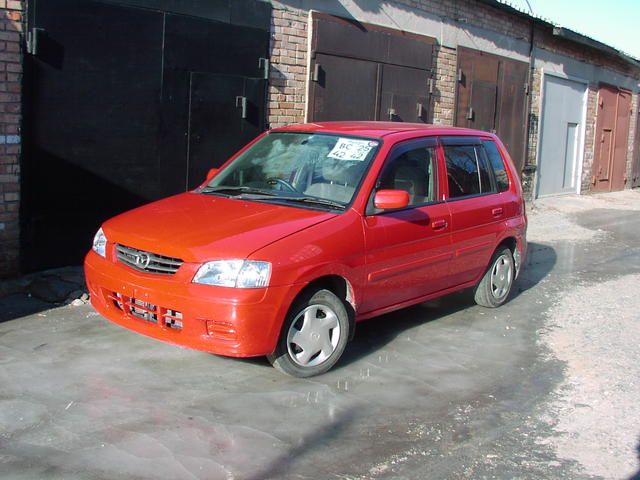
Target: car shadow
377, 332
539, 262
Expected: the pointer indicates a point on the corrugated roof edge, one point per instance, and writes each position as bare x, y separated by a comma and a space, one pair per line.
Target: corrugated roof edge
565, 33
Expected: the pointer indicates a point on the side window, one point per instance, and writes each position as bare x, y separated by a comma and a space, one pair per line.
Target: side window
467, 172
497, 164
413, 171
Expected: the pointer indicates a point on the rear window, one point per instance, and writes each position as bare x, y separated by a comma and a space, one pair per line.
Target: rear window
497, 164
467, 173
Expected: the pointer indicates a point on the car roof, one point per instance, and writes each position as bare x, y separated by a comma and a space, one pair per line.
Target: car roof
378, 129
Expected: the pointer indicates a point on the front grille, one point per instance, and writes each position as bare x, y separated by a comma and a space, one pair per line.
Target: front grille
149, 312
146, 261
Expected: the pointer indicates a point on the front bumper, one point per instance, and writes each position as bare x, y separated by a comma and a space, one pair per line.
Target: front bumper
226, 321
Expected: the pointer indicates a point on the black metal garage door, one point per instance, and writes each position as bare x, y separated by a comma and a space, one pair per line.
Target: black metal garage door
366, 72
126, 104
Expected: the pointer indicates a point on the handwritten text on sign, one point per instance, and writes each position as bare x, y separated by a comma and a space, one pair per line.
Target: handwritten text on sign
351, 149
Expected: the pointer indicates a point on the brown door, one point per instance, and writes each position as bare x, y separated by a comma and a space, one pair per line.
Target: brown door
477, 89
511, 117
345, 89
612, 136
366, 72
635, 170
404, 96
491, 96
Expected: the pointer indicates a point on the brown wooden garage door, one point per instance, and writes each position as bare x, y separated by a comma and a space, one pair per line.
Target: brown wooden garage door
612, 137
365, 72
492, 96
635, 169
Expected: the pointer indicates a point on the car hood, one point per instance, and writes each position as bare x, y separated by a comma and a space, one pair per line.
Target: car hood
197, 227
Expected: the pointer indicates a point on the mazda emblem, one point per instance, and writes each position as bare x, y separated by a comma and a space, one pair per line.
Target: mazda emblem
142, 260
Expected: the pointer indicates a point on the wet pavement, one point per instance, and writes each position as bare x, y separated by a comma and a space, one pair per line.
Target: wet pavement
445, 389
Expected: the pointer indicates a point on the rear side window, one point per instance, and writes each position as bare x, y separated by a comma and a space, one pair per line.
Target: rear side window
497, 164
467, 172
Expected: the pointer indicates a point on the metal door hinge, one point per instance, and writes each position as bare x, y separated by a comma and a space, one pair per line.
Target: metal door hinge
526, 88
460, 76
420, 110
470, 114
241, 102
32, 40
392, 113
431, 86
263, 64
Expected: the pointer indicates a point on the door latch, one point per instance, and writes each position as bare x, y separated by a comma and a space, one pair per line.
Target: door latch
32, 40
241, 103
315, 75
470, 114
263, 63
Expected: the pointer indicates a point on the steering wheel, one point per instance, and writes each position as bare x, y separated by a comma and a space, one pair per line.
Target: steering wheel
284, 185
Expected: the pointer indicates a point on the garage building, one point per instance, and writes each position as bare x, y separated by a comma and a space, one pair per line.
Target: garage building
107, 105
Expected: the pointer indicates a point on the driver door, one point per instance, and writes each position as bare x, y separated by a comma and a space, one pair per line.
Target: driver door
408, 251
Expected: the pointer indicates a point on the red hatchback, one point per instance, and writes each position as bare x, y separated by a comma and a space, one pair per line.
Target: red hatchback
310, 229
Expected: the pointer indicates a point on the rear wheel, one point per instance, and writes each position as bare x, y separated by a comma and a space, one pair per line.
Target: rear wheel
314, 335
494, 288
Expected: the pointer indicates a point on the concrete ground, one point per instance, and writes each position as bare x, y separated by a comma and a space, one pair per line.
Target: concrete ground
545, 387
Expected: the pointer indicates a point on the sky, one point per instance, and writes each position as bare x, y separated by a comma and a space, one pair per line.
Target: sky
616, 23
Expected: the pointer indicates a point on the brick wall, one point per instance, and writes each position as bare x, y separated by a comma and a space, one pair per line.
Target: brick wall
472, 13
528, 175
631, 155
288, 75
444, 91
546, 40
10, 104
589, 139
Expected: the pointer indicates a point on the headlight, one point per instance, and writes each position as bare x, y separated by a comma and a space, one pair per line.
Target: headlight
100, 243
234, 273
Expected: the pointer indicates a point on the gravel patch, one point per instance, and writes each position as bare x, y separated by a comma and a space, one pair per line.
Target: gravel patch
552, 226
624, 200
596, 330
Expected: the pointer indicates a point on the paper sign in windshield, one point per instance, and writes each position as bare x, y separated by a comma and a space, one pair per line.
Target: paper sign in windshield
351, 149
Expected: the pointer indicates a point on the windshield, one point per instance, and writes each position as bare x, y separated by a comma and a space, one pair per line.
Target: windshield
298, 167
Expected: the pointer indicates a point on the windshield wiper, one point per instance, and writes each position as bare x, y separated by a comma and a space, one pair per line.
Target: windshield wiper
249, 193
236, 191
312, 200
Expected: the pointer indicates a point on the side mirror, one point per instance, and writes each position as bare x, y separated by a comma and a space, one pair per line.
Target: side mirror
391, 199
212, 173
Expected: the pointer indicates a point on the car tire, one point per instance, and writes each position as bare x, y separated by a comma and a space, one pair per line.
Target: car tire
493, 290
314, 335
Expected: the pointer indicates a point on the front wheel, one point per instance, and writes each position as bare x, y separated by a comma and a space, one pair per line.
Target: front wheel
494, 288
314, 335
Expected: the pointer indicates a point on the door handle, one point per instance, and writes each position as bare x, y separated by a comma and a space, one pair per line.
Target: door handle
497, 212
439, 224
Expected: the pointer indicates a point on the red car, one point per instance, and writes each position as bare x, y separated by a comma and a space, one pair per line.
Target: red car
309, 230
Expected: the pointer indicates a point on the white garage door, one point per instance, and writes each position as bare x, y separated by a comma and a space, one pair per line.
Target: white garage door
561, 136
